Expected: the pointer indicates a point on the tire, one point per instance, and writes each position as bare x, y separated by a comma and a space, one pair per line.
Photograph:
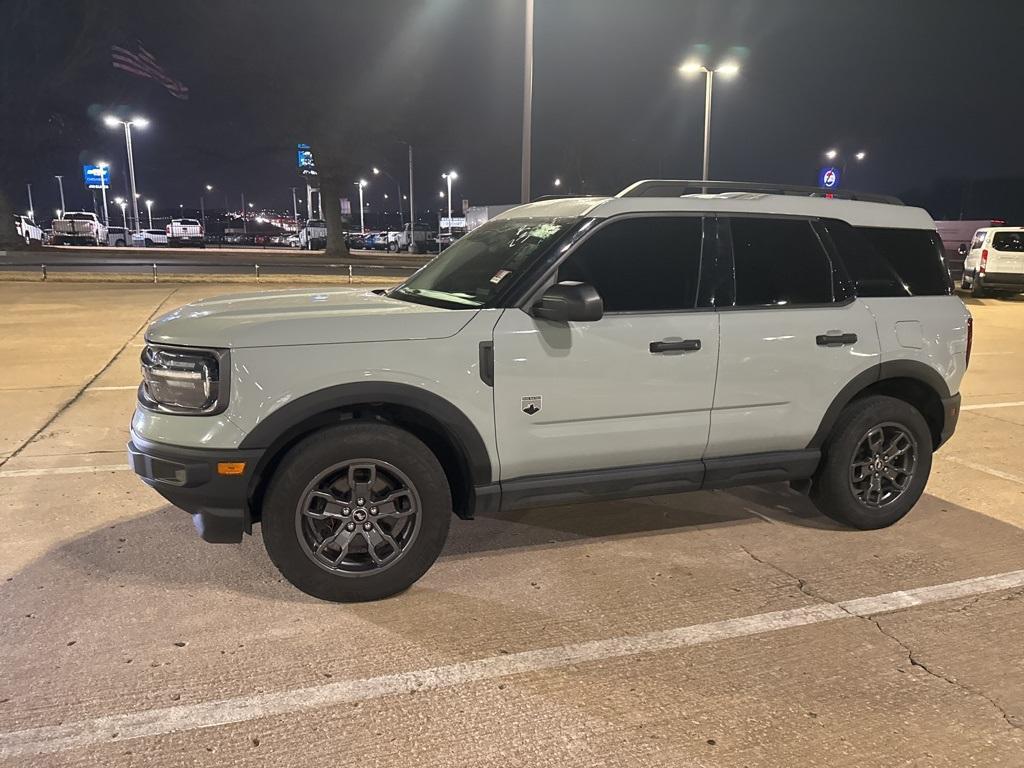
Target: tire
324, 460
977, 289
392, 247
835, 492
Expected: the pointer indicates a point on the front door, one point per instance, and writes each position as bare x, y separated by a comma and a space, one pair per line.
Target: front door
633, 388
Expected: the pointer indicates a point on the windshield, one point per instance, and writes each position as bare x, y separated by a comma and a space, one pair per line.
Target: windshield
470, 272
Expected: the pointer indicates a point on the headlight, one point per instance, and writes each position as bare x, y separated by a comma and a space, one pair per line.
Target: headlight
184, 380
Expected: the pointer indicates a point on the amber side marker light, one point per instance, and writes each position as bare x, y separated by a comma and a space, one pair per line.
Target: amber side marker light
230, 467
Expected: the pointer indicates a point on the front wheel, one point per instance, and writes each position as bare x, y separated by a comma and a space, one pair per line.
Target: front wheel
356, 512
875, 465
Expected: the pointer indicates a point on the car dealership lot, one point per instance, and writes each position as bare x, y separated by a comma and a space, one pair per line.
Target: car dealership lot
717, 628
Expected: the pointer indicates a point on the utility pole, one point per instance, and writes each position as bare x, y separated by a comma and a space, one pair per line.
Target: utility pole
60, 183
295, 207
31, 207
527, 103
412, 205
245, 226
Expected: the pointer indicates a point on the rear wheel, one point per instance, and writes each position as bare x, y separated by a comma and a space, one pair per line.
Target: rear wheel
977, 289
356, 512
876, 463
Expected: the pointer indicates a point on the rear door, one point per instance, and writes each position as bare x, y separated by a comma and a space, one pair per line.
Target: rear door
1007, 254
792, 336
633, 388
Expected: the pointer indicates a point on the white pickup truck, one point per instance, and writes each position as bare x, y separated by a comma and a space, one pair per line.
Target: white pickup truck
185, 232
313, 235
79, 228
28, 230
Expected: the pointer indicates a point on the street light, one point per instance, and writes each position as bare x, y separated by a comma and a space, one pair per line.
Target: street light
149, 212
377, 172
104, 172
832, 154
693, 67
449, 177
124, 212
138, 122
362, 210
202, 204
63, 207
557, 182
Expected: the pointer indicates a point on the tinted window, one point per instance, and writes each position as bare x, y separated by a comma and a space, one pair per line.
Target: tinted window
870, 273
779, 261
916, 255
979, 238
1008, 241
646, 264
78, 216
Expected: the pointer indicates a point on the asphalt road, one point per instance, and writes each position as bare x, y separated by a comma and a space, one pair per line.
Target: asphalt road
725, 628
209, 261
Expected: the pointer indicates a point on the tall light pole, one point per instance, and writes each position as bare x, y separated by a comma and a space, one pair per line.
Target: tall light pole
412, 206
362, 226
524, 190
295, 207
202, 204
693, 67
401, 216
31, 207
124, 213
450, 177
149, 212
104, 172
139, 122
60, 183
832, 154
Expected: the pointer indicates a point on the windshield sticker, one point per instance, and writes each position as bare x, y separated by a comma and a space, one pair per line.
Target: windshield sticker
500, 275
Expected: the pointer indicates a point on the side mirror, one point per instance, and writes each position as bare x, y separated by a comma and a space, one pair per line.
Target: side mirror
963, 250
570, 301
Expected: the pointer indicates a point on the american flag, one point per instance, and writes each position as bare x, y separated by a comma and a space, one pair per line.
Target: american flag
143, 64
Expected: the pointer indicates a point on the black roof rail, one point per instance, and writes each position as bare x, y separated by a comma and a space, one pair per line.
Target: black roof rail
680, 187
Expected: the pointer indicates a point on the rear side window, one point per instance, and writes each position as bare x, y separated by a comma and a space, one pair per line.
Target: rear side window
917, 257
1008, 241
779, 262
871, 274
979, 238
644, 264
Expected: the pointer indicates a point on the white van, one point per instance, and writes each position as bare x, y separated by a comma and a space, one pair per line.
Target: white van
995, 262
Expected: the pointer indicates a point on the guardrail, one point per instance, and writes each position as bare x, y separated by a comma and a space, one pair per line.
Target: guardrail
180, 267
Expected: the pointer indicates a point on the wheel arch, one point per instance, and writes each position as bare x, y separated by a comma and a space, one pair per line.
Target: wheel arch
441, 425
912, 381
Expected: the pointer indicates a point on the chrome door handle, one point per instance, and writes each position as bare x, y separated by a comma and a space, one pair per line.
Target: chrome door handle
686, 345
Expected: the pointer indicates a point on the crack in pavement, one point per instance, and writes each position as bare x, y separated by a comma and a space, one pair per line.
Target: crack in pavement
912, 656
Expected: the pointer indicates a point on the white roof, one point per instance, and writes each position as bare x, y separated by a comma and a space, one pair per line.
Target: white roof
856, 212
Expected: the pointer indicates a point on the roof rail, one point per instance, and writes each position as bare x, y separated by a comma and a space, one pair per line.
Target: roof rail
680, 187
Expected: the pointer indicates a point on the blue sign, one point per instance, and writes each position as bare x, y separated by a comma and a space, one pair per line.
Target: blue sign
828, 178
96, 177
305, 158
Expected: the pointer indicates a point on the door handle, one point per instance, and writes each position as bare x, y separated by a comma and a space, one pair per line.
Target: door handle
686, 345
836, 339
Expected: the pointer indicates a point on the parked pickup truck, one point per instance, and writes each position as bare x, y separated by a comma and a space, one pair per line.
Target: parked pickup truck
313, 235
28, 230
185, 232
79, 228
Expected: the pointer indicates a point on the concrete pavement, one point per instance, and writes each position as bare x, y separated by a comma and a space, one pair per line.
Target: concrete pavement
735, 628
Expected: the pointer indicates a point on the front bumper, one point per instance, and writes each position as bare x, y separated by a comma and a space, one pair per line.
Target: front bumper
951, 414
188, 478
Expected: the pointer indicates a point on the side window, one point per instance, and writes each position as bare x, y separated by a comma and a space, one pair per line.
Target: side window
1012, 242
979, 239
917, 257
643, 264
778, 262
871, 274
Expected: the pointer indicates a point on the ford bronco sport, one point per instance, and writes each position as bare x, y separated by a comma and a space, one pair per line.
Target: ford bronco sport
678, 336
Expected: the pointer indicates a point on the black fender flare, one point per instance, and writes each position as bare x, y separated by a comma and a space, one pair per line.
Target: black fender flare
459, 428
892, 369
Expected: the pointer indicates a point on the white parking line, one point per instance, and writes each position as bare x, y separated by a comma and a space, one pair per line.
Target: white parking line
986, 469
983, 406
91, 470
758, 514
188, 717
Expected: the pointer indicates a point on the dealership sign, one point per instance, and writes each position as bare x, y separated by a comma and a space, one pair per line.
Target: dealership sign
828, 178
305, 160
96, 176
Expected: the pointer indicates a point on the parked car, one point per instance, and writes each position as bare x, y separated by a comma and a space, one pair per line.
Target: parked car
292, 241
185, 232
118, 236
28, 230
355, 240
313, 235
149, 237
566, 351
994, 262
79, 228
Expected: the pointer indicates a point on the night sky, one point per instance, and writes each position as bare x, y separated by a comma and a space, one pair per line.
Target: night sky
931, 90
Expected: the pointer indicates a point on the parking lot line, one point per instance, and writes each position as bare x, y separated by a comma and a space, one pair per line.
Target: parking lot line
156, 722
983, 406
88, 470
985, 468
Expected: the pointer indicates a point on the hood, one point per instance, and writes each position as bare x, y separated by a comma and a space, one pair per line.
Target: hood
287, 318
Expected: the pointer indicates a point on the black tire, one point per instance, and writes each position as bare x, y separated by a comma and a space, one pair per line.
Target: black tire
977, 289
833, 491
285, 527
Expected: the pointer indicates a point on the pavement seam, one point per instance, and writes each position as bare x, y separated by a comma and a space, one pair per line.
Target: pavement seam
913, 657
94, 377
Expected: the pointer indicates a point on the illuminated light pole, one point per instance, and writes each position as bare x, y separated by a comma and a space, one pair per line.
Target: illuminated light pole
362, 210
149, 212
202, 205
60, 184
401, 215
139, 122
832, 154
524, 191
31, 207
104, 172
693, 67
450, 177
124, 213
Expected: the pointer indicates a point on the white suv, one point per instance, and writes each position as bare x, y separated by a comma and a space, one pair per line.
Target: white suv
569, 350
995, 261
